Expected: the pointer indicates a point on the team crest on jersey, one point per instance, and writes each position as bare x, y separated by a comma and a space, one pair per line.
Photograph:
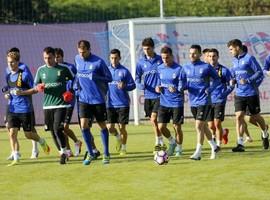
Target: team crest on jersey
158, 62
58, 73
91, 67
174, 76
43, 76
120, 74
201, 71
145, 65
243, 62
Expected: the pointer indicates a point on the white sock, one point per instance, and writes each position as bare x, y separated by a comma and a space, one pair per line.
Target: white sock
157, 140
240, 140
218, 143
212, 144
178, 148
171, 140
95, 150
198, 149
16, 155
35, 146
63, 150
160, 140
264, 134
123, 147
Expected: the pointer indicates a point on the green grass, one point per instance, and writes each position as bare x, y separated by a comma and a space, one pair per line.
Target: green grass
232, 176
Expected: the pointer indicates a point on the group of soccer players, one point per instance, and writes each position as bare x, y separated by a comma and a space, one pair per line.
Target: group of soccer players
101, 92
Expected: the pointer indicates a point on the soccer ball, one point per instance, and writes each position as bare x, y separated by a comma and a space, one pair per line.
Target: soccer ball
161, 157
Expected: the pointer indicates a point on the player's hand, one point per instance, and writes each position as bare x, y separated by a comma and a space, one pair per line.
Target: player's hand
40, 87
68, 96
158, 89
243, 81
121, 85
7, 96
232, 82
172, 89
268, 73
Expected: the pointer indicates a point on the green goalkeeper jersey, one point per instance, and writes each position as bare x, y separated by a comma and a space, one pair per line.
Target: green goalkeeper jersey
55, 79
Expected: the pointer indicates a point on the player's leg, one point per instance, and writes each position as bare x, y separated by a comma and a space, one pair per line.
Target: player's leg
219, 114
112, 117
123, 119
178, 120
101, 116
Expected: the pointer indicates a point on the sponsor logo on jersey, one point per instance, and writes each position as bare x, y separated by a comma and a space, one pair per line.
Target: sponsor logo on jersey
174, 76
52, 85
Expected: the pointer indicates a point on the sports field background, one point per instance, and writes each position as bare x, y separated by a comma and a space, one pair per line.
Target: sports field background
231, 176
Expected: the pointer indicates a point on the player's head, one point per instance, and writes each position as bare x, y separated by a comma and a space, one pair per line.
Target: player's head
148, 46
84, 48
115, 57
14, 49
49, 56
235, 47
59, 55
13, 59
244, 48
205, 53
167, 56
213, 56
195, 52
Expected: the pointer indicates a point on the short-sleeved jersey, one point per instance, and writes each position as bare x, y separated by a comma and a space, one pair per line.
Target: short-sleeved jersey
55, 79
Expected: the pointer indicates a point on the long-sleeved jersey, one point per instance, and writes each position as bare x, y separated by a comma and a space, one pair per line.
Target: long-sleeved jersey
21, 80
118, 98
92, 79
171, 76
266, 66
220, 93
246, 67
146, 76
198, 75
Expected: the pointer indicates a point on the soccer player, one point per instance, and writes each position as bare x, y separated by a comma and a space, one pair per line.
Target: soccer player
206, 55
59, 58
93, 77
118, 100
51, 79
171, 89
146, 79
24, 67
198, 76
20, 106
245, 72
218, 96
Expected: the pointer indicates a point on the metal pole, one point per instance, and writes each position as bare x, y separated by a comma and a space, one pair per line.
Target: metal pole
161, 9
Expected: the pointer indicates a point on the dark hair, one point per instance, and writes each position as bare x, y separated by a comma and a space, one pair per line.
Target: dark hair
48, 50
244, 48
213, 50
115, 51
148, 42
235, 43
59, 51
166, 50
196, 46
84, 44
14, 49
205, 50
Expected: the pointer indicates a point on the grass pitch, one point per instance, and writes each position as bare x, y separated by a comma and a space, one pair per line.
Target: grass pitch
232, 176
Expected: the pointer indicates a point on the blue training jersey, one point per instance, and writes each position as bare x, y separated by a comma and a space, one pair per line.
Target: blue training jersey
246, 67
146, 76
171, 76
92, 79
21, 80
266, 66
198, 75
118, 98
223, 89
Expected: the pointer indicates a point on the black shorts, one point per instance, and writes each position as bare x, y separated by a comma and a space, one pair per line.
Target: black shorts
252, 103
54, 118
200, 112
217, 111
16, 120
118, 115
93, 110
165, 114
69, 113
151, 106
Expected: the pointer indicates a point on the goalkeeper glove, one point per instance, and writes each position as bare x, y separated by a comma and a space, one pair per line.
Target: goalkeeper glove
68, 96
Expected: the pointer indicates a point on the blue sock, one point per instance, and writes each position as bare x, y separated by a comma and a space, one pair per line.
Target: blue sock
105, 140
87, 136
